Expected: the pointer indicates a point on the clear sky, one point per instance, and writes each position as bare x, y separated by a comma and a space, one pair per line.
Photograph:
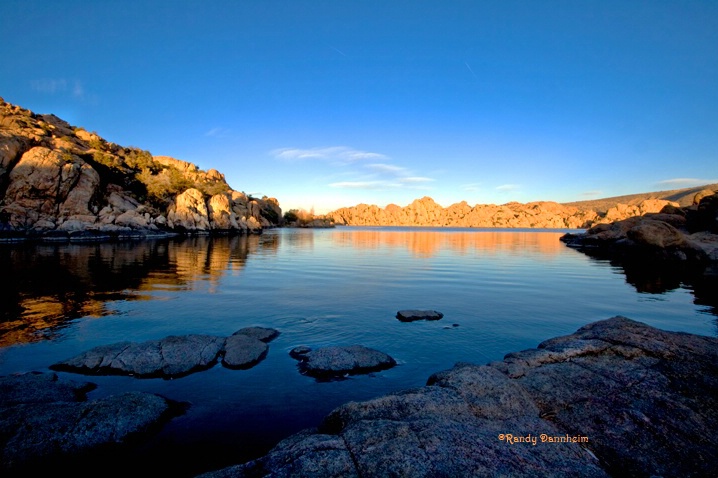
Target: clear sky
330, 103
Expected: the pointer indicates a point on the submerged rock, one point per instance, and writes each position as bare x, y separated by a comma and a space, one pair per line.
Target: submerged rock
331, 362
616, 398
242, 351
413, 314
173, 356
44, 421
260, 333
247, 347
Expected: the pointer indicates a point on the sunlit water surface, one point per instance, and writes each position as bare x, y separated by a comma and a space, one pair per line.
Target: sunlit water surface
500, 291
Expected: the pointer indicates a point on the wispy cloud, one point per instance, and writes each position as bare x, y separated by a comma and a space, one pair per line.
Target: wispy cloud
472, 187
415, 180
472, 71
385, 168
508, 187
359, 169
335, 153
365, 185
591, 194
66, 87
687, 182
217, 133
53, 86
49, 86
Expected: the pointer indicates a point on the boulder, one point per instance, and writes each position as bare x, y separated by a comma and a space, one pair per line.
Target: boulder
335, 362
260, 333
173, 356
616, 398
653, 237
414, 314
242, 351
45, 421
654, 233
39, 387
189, 211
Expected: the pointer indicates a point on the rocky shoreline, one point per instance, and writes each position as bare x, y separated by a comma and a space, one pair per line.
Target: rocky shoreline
615, 398
61, 183
687, 235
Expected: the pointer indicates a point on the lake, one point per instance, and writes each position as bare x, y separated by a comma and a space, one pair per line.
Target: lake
501, 290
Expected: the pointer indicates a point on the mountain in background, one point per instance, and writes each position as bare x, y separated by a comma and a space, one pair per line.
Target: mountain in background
61, 181
541, 214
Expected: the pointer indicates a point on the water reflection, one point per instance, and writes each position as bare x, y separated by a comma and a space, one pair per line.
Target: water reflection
50, 285
660, 277
53, 284
428, 243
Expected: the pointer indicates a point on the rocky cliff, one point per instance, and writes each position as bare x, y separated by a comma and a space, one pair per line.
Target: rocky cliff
58, 181
542, 214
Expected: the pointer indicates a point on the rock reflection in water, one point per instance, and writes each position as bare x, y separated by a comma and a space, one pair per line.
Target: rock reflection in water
427, 243
661, 277
52, 284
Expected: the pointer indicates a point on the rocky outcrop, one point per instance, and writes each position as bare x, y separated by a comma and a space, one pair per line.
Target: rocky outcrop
173, 356
336, 362
45, 421
616, 398
62, 182
543, 214
688, 234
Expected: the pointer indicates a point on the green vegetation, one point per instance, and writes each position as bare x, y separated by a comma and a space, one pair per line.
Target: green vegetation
299, 217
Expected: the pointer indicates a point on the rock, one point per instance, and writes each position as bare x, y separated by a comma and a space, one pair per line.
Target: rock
616, 398
332, 362
189, 211
40, 388
645, 238
300, 352
57, 177
413, 314
220, 213
656, 234
173, 356
260, 333
242, 351
45, 421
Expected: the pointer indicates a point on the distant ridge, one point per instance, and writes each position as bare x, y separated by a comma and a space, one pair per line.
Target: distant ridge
684, 198
539, 214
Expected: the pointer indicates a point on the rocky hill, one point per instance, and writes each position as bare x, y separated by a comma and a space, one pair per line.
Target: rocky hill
542, 214
59, 181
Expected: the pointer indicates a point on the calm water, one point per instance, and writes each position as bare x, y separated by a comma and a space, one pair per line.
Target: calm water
505, 290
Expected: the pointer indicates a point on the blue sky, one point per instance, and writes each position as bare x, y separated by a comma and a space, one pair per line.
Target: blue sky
328, 104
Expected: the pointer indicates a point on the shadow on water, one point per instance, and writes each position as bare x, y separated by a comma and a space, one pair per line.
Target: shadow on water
657, 277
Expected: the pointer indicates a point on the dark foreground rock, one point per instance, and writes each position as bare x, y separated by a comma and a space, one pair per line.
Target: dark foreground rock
616, 398
45, 421
173, 356
334, 362
412, 315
